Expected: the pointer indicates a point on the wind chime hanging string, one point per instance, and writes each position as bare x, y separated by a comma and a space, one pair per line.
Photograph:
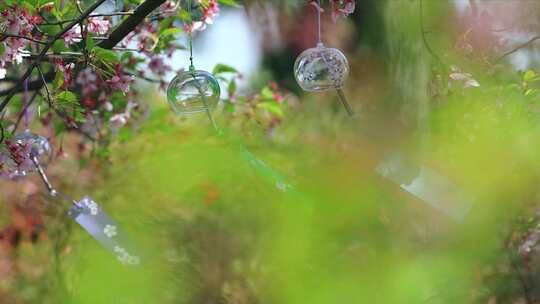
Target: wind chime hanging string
322, 69
30, 152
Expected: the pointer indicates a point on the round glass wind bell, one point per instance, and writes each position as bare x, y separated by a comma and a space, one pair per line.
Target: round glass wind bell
193, 91
22, 150
321, 69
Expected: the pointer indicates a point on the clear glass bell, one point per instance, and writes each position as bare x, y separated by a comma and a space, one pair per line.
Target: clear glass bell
193, 92
320, 69
18, 153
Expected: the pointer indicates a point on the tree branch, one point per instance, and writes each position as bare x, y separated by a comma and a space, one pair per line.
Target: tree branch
130, 23
33, 85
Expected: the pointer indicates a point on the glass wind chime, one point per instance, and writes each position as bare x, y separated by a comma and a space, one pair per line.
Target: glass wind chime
322, 69
193, 91
196, 91
29, 153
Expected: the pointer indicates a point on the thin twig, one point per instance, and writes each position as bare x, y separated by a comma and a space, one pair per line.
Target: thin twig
1, 133
123, 49
84, 34
4, 36
424, 38
46, 86
141, 76
23, 112
33, 85
91, 16
517, 48
78, 5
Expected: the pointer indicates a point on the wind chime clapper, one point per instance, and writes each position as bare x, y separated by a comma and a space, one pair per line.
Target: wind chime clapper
33, 152
322, 69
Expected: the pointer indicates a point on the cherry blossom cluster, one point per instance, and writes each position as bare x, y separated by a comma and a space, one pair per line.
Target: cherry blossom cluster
18, 25
97, 90
95, 25
340, 8
19, 154
143, 38
209, 13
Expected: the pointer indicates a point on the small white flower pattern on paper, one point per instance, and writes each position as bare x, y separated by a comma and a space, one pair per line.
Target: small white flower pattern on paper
282, 186
133, 260
91, 205
110, 231
125, 258
93, 208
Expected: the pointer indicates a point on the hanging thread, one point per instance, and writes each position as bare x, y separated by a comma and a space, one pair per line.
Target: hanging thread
190, 28
319, 39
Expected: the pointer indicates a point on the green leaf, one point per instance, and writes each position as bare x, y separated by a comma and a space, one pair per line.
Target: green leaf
229, 3
272, 107
59, 127
67, 97
530, 75
165, 23
531, 92
89, 43
2, 48
232, 88
29, 7
78, 114
229, 107
105, 55
222, 68
266, 93
170, 31
126, 56
58, 79
118, 100
58, 46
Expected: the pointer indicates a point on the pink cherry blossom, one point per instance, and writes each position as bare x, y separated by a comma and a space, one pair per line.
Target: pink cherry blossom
72, 36
98, 25
87, 80
158, 66
209, 13
16, 21
168, 9
119, 120
120, 81
342, 8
